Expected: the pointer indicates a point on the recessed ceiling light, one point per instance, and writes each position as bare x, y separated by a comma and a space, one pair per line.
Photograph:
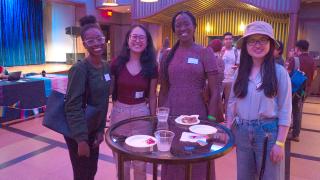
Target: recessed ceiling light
128, 9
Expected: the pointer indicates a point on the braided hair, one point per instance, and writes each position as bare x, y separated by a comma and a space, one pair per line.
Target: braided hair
175, 47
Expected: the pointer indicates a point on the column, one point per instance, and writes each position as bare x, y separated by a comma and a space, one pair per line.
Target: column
293, 30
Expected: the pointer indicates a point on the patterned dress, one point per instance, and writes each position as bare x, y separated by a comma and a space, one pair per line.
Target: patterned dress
187, 78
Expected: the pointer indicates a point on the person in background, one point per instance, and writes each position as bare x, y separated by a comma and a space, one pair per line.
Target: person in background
291, 54
278, 54
184, 70
133, 81
308, 66
4, 74
261, 92
231, 59
84, 148
216, 46
165, 46
223, 50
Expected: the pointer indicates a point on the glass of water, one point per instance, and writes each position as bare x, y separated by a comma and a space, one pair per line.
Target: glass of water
162, 114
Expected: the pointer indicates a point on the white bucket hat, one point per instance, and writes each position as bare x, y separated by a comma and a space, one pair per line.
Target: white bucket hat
258, 27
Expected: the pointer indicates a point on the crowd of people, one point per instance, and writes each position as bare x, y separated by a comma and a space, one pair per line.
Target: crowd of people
252, 78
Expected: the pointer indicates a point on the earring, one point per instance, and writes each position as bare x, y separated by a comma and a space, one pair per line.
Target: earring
128, 47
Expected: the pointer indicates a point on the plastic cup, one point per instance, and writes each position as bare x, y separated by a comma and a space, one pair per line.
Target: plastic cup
162, 114
164, 139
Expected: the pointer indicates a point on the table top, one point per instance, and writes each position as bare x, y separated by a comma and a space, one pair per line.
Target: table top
48, 76
5, 82
219, 143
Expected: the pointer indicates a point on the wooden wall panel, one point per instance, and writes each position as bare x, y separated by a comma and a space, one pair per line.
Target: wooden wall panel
230, 21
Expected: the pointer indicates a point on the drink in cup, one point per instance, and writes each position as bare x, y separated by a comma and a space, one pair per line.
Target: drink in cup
162, 114
164, 139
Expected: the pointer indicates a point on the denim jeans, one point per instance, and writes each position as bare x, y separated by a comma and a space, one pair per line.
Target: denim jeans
249, 138
297, 106
121, 112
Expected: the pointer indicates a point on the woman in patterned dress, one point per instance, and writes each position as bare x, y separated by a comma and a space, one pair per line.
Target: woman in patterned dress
183, 75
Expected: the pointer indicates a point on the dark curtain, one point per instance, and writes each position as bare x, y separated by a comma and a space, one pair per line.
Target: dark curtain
21, 39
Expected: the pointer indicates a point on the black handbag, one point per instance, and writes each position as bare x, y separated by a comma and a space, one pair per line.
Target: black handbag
55, 116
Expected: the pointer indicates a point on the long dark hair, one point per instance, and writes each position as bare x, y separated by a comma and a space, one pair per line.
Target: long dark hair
268, 73
147, 59
175, 47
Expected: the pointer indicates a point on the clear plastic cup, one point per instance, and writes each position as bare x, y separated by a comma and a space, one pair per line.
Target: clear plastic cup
164, 139
162, 114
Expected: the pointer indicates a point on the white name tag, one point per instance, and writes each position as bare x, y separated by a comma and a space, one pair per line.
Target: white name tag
193, 61
107, 77
139, 94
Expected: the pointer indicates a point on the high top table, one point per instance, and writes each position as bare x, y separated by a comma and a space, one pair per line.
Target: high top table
219, 144
30, 93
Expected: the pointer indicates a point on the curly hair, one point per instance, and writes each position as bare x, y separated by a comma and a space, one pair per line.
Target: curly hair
88, 22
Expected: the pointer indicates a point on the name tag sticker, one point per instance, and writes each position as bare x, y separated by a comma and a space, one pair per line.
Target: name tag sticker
107, 77
193, 61
139, 94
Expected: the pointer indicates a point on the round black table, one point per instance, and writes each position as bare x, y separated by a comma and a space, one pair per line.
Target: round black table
219, 144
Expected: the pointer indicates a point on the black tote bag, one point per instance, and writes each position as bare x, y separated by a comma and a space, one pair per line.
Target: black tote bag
55, 116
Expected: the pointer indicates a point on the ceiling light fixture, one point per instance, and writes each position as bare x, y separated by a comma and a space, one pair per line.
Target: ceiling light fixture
242, 27
208, 27
149, 0
110, 3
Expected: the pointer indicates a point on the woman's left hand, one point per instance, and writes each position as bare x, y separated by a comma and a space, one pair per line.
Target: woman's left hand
98, 140
277, 153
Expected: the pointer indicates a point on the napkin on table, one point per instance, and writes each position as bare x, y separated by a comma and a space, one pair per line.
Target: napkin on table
185, 137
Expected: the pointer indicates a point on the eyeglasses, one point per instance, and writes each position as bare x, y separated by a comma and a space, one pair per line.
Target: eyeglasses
253, 42
135, 37
99, 40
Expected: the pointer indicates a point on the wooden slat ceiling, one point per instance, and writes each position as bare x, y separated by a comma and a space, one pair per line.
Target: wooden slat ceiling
202, 7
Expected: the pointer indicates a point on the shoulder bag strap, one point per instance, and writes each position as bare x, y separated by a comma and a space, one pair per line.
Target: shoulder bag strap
236, 56
85, 99
296, 63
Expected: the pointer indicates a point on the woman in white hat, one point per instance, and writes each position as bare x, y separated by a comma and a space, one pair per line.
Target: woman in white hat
260, 106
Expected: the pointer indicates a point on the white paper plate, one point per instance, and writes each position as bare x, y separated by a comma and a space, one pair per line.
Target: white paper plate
203, 129
140, 141
179, 120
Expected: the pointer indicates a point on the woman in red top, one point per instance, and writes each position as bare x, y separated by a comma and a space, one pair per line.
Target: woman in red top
134, 76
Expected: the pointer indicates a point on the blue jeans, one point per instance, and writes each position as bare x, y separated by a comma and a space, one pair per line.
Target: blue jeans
249, 137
